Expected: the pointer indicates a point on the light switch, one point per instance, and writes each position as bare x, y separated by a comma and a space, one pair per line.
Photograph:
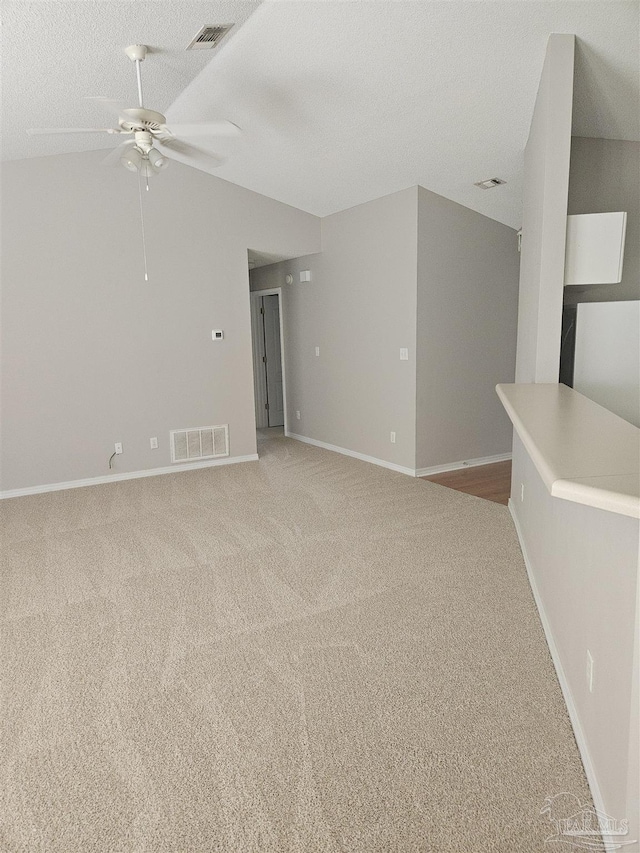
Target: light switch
305, 275
404, 354
317, 350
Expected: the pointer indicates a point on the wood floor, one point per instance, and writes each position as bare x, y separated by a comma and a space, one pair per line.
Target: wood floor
491, 482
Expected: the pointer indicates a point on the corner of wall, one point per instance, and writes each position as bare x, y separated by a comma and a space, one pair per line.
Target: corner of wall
545, 201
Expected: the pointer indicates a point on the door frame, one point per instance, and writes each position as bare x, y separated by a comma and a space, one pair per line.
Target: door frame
276, 291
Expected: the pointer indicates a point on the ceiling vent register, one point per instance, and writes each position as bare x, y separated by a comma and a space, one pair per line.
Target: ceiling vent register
188, 445
209, 37
490, 183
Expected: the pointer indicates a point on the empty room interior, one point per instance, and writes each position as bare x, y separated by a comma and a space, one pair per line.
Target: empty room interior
319, 450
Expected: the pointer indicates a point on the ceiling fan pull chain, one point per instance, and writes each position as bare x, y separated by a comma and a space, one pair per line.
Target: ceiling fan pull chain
144, 242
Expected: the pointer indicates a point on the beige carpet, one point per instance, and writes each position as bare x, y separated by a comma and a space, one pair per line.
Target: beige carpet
306, 653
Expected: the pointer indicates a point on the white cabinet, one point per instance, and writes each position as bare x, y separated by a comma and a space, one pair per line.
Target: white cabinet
595, 248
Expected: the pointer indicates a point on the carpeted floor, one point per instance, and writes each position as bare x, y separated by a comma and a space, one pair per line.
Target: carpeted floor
306, 653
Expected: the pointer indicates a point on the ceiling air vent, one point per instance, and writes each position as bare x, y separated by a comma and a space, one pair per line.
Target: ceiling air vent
199, 443
209, 37
490, 183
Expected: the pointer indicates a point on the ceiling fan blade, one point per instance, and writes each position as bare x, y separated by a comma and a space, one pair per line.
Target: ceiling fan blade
43, 131
177, 146
113, 157
204, 128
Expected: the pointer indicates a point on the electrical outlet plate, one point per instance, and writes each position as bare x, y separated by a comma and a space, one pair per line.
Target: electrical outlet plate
118, 448
297, 414
153, 443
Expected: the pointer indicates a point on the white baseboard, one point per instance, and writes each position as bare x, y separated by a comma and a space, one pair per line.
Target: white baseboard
412, 472
129, 475
578, 731
469, 463
343, 450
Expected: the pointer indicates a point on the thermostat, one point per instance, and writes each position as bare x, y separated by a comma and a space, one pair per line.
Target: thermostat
217, 335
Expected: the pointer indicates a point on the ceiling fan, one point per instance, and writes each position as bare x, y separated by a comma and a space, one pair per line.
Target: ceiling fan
152, 140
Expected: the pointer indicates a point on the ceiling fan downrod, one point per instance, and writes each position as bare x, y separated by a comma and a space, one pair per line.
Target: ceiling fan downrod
137, 54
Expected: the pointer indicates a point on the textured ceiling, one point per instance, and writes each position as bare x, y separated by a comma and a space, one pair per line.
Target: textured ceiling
340, 102
55, 54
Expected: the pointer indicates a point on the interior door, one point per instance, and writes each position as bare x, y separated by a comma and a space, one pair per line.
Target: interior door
273, 364
259, 372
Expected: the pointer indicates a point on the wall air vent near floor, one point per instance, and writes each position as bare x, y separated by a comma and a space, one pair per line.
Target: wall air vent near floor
209, 442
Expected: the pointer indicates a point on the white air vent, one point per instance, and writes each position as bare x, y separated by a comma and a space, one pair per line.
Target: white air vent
188, 445
209, 37
490, 183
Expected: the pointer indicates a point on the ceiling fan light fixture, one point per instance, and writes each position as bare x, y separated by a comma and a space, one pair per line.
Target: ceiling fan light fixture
157, 160
132, 159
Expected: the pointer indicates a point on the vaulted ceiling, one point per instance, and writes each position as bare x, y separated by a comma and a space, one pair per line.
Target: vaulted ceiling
340, 102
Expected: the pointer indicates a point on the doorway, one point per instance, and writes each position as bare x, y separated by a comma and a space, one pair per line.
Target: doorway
268, 358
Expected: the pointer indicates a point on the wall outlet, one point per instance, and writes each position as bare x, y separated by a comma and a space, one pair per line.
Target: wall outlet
153, 443
589, 671
297, 414
404, 354
317, 351
118, 448
521, 492
393, 438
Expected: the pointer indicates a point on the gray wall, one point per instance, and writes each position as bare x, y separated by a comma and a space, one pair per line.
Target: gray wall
91, 353
605, 176
546, 180
412, 262
360, 309
366, 314
467, 317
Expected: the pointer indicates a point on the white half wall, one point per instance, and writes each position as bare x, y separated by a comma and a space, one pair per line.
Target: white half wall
582, 561
583, 566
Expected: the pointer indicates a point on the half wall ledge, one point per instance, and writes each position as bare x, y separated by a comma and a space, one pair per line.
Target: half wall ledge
583, 452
